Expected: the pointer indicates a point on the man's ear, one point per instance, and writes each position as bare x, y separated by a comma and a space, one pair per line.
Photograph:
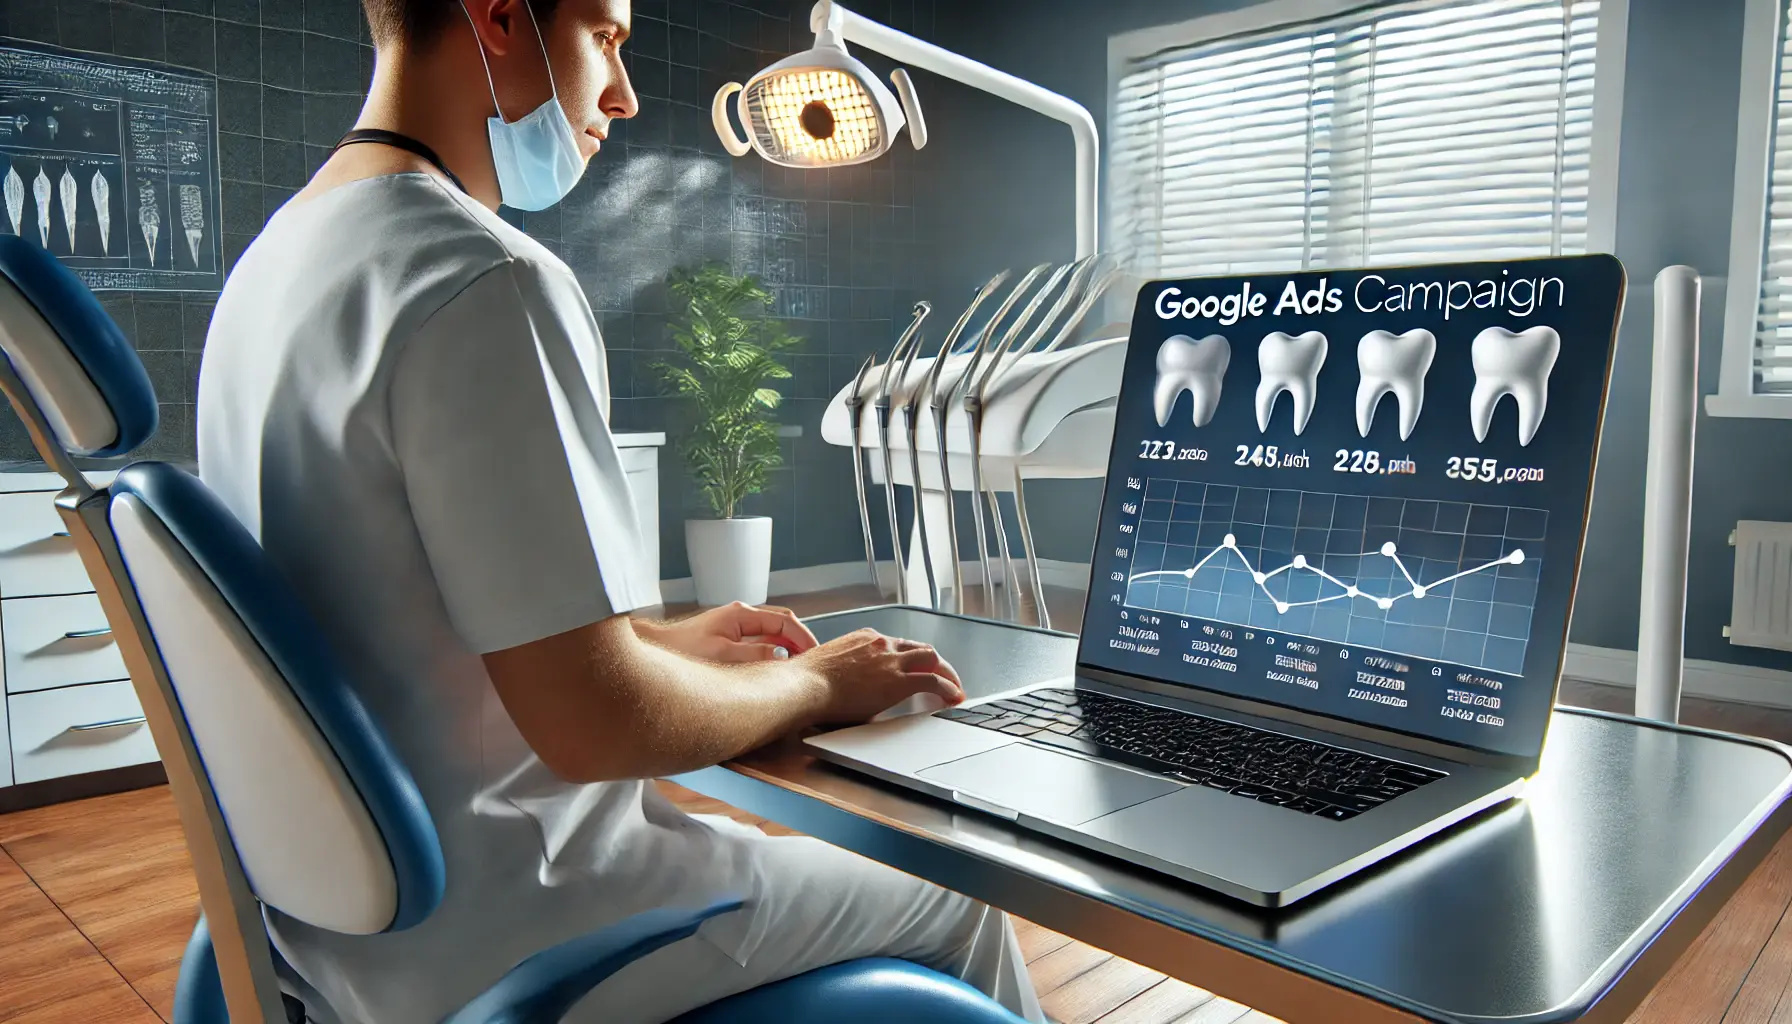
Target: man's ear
497, 23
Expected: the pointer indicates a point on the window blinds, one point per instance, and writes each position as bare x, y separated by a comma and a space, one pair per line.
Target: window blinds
1410, 133
1773, 323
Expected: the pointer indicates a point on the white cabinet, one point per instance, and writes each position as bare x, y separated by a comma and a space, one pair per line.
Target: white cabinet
76, 729
641, 461
66, 702
57, 641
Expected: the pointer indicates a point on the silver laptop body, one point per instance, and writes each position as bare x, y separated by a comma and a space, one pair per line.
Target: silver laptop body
1293, 665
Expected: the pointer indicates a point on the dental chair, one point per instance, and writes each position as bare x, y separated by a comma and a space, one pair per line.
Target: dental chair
289, 793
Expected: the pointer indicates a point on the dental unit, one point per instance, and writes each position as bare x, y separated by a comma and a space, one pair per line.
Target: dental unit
823, 108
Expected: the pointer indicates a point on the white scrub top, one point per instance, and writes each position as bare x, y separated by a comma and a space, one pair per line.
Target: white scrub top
405, 399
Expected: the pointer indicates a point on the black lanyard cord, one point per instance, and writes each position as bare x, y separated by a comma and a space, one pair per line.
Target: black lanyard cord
388, 138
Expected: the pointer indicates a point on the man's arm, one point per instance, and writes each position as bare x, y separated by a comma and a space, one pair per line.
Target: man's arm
600, 703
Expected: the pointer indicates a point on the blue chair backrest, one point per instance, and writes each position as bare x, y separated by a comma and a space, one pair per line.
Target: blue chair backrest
325, 822
86, 381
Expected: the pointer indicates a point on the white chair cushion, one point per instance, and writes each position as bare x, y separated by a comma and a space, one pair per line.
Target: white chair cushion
304, 837
73, 405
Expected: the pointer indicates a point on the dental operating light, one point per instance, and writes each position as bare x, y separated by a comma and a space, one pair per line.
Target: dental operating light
824, 108
819, 108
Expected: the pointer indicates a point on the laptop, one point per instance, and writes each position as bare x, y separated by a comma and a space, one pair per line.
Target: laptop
1332, 579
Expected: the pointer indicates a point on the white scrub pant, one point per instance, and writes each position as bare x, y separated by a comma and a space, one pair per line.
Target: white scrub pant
823, 905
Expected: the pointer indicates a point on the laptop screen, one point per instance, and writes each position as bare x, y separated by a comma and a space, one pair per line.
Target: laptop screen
1358, 493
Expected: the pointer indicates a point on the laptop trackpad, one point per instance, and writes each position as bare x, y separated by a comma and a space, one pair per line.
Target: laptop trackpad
1045, 784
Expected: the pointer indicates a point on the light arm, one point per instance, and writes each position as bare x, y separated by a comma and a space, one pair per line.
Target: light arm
856, 28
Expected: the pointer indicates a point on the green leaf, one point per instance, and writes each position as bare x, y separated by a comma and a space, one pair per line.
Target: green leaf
722, 369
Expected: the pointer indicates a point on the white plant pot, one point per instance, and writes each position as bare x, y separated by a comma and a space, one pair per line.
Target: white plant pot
731, 559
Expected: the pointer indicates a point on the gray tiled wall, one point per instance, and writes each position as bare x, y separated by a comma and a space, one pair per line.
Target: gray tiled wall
291, 76
838, 248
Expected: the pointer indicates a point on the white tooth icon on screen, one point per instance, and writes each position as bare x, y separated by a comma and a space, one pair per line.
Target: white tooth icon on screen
1393, 364
1516, 364
1289, 363
1197, 367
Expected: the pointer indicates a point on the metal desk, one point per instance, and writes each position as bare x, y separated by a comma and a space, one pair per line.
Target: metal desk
1567, 905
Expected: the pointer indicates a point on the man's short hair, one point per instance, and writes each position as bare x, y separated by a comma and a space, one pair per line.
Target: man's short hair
420, 21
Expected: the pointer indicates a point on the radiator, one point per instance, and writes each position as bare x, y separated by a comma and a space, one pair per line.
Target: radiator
1761, 604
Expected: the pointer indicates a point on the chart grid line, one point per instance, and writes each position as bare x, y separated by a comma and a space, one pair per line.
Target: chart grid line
1452, 581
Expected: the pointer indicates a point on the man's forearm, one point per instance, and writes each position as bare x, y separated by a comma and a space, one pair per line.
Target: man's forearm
600, 703
689, 714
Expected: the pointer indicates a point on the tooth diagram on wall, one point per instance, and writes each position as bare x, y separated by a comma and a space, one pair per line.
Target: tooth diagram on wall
1289, 363
40, 191
148, 217
70, 195
192, 218
138, 140
1197, 367
1516, 364
15, 199
102, 209
1393, 364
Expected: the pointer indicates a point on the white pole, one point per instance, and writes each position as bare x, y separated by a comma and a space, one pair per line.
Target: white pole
1667, 496
906, 48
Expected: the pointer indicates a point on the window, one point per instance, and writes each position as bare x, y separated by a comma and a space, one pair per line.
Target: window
1756, 376
1271, 139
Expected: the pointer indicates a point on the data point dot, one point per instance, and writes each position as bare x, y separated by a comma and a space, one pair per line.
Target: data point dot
1352, 591
1388, 549
1384, 603
1516, 557
1258, 577
1282, 606
1188, 574
1300, 561
1419, 591
1231, 540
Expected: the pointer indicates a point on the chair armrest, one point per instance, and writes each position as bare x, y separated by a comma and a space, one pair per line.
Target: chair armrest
543, 987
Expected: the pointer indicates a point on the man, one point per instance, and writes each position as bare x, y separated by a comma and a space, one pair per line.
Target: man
405, 398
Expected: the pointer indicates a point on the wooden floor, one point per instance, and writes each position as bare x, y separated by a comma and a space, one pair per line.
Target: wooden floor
97, 899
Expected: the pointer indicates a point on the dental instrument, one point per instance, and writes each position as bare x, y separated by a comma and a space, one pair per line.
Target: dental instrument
910, 404
1078, 274
989, 330
881, 410
939, 403
855, 404
1082, 310
974, 404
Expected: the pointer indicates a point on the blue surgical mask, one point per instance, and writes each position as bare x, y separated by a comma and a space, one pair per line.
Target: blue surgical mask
537, 158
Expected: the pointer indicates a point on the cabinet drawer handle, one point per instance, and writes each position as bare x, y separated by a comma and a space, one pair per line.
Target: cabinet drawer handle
82, 634
116, 723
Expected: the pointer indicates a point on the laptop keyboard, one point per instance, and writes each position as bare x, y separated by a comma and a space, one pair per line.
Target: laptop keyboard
1301, 775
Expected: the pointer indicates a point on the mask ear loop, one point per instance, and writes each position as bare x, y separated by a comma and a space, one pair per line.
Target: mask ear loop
539, 41
488, 64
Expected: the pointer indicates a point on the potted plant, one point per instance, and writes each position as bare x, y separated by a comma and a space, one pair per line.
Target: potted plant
727, 361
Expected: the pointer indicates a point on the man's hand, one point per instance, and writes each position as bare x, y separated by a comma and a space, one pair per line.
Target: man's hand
867, 673
732, 634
